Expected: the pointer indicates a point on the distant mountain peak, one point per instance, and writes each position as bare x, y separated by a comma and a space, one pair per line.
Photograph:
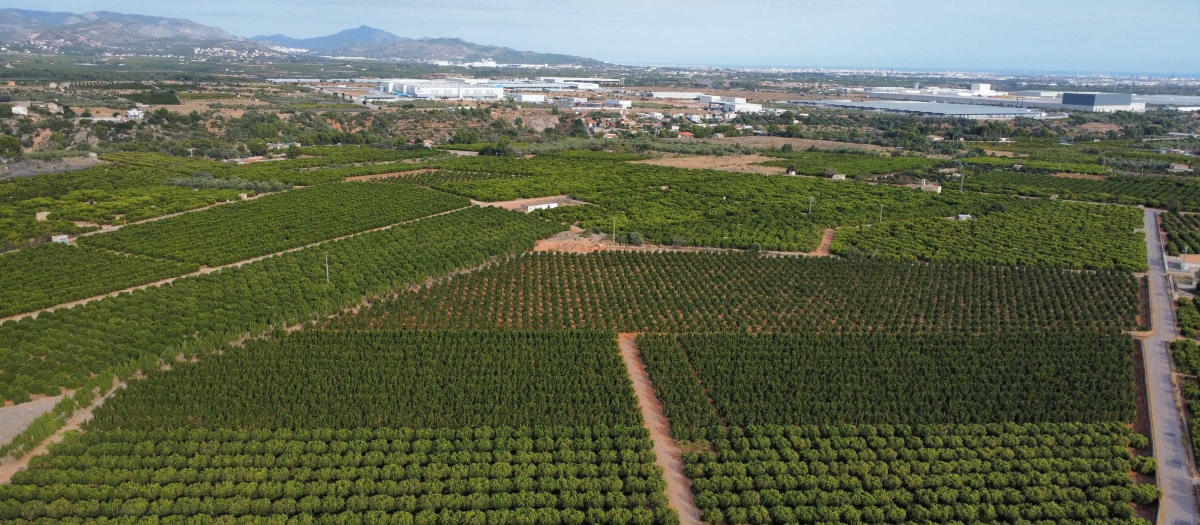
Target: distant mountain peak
359, 36
139, 33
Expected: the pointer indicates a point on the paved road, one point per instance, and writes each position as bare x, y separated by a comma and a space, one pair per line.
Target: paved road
1178, 505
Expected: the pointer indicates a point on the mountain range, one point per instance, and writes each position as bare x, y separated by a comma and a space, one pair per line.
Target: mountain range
118, 32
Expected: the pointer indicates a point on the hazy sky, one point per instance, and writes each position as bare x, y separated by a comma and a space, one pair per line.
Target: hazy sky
1160, 36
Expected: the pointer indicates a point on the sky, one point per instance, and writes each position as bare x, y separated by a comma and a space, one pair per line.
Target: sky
1146, 36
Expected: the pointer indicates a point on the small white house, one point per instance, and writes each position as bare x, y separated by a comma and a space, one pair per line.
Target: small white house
925, 185
528, 208
134, 114
20, 110
839, 176
963, 217
614, 103
60, 239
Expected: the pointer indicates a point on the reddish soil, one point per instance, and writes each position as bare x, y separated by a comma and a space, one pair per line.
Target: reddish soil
669, 456
826, 242
734, 163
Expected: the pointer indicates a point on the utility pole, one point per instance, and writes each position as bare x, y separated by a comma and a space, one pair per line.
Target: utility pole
326, 267
962, 181
614, 230
880, 214
810, 201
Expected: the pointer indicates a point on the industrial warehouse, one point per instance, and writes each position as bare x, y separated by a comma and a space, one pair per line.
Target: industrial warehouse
984, 95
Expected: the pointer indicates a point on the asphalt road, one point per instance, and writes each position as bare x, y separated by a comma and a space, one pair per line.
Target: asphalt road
1178, 504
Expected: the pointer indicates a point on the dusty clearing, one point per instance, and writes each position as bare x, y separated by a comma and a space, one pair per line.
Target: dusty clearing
15, 418
1000, 153
1066, 175
1099, 127
734, 163
77, 420
666, 450
575, 241
561, 200
389, 175
777, 142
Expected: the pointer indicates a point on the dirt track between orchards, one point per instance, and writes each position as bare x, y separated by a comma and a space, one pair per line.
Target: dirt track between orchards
666, 450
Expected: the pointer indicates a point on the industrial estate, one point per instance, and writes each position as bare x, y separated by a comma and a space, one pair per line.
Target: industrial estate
366, 279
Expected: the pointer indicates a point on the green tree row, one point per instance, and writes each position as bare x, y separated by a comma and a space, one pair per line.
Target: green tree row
52, 273
64, 347
243, 230
1061, 234
392, 379
693, 292
621, 484
886, 378
777, 476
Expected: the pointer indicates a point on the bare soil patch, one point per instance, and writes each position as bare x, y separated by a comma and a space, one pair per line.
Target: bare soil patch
77, 420
389, 175
30, 167
1099, 127
561, 200
734, 163
16, 418
1000, 153
1066, 175
777, 142
826, 242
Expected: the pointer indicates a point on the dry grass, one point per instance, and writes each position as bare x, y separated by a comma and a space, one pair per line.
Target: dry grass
799, 144
734, 163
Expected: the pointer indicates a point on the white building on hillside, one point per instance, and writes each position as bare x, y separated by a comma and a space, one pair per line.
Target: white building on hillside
529, 98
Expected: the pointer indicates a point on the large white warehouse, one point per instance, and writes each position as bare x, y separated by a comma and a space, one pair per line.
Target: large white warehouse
457, 88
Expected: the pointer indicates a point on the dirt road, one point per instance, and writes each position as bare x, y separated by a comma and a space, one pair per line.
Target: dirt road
826, 242
1175, 471
679, 487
